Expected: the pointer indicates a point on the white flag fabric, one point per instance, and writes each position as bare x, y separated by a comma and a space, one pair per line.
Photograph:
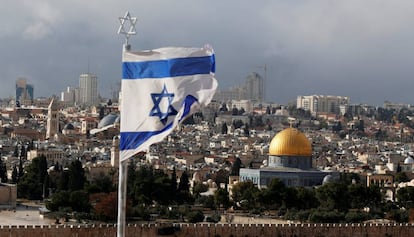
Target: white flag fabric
160, 88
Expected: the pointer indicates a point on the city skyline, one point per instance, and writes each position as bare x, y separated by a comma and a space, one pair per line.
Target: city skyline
348, 48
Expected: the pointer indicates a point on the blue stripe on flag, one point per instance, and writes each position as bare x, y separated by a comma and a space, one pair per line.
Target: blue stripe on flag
188, 102
132, 140
168, 68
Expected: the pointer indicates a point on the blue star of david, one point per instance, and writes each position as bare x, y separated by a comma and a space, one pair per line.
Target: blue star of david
162, 113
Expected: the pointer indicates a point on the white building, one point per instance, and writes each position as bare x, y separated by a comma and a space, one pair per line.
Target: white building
322, 103
88, 85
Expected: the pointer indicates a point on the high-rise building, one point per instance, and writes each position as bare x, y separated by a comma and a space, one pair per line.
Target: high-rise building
88, 85
24, 92
254, 87
68, 95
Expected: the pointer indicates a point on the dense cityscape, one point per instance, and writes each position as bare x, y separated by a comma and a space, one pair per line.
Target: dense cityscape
238, 160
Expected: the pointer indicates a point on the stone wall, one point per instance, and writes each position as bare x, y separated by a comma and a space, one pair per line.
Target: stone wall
214, 230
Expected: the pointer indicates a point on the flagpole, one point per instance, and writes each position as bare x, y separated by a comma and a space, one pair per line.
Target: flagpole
126, 21
122, 192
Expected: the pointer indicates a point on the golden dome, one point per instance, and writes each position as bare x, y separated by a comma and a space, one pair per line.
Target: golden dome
290, 142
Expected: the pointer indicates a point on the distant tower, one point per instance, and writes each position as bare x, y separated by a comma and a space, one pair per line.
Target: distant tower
88, 85
254, 87
24, 92
115, 152
52, 120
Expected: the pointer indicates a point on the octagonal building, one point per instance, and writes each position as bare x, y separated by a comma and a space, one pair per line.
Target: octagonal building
290, 160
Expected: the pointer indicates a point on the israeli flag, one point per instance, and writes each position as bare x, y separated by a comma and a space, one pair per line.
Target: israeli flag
160, 88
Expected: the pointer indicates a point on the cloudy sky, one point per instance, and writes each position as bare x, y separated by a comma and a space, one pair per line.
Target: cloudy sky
358, 48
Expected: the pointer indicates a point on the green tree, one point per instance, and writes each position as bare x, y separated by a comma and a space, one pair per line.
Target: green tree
401, 177
246, 130
79, 201
16, 151
184, 185
77, 177
224, 128
246, 195
142, 187
183, 191
306, 199
358, 196
235, 168
195, 216
163, 189
405, 196
333, 196
63, 181
32, 184
273, 197
102, 184
21, 170
235, 111
58, 200
199, 188
15, 175
3, 171
221, 198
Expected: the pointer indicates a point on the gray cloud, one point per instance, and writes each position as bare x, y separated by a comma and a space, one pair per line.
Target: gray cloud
361, 49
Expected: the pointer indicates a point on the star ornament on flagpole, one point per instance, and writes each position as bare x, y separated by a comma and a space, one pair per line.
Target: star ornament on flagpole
127, 22
162, 105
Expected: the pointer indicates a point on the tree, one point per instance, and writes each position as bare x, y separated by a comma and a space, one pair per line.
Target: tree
224, 128
221, 176
405, 196
238, 123
306, 199
21, 170
359, 196
242, 111
183, 191
143, 186
23, 152
221, 198
15, 175
223, 108
58, 200
337, 127
77, 177
79, 201
246, 195
333, 196
106, 205
63, 182
401, 177
3, 172
32, 184
16, 151
174, 180
235, 111
273, 196
268, 110
102, 184
235, 169
199, 188
246, 130
184, 185
195, 216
